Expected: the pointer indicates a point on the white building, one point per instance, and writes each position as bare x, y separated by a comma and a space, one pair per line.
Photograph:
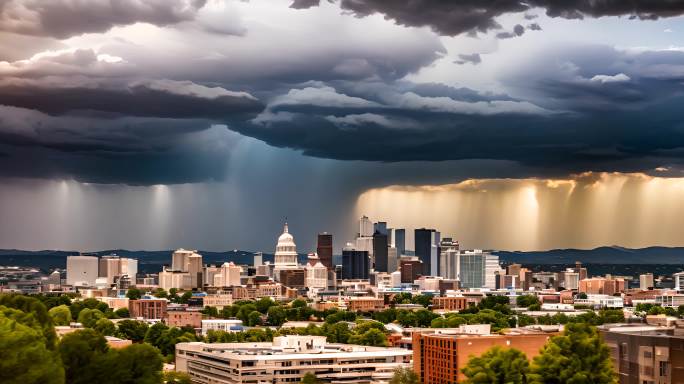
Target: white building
679, 281
286, 253
225, 325
229, 275
82, 270
477, 269
604, 301
671, 300
111, 267
448, 259
287, 359
316, 273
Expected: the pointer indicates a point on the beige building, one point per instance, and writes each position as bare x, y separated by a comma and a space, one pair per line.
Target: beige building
229, 275
218, 300
286, 360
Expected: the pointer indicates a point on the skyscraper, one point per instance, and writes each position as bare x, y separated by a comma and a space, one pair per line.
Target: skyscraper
478, 269
355, 263
427, 250
324, 248
195, 270
399, 240
365, 227
82, 270
448, 258
380, 252
380, 226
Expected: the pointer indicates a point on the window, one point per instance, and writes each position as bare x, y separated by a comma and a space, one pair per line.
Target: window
663, 368
623, 351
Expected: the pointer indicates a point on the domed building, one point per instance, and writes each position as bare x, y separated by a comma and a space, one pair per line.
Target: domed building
286, 251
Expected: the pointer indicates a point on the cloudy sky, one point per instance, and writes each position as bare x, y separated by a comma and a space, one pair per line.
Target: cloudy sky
154, 124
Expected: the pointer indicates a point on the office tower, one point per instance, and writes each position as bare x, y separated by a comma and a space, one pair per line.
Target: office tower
355, 263
208, 274
646, 281
169, 278
195, 270
128, 267
399, 240
109, 267
229, 275
380, 251
180, 260
258, 259
478, 269
392, 259
427, 250
513, 269
411, 268
525, 276
380, 226
448, 258
365, 227
82, 270
324, 248
492, 267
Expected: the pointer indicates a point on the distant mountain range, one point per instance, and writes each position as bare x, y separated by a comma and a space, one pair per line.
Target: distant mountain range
601, 255
152, 261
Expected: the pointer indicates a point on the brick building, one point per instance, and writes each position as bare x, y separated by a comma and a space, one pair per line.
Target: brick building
148, 308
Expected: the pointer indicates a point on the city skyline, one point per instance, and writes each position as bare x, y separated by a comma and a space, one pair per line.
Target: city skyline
513, 126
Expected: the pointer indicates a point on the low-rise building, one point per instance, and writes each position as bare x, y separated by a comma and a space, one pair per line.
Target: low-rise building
148, 308
450, 303
218, 301
365, 304
439, 355
645, 354
184, 319
225, 325
286, 360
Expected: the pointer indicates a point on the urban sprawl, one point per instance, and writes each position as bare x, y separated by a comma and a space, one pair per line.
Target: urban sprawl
386, 314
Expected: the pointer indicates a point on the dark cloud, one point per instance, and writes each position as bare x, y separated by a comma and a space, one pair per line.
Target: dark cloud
304, 4
456, 17
534, 27
518, 30
473, 58
64, 18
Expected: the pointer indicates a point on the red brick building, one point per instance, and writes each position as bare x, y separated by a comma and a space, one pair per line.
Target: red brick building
148, 308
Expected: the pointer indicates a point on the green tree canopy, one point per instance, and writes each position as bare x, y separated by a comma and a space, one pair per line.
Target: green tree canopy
276, 316
526, 300
132, 330
60, 315
310, 378
173, 377
134, 293
25, 357
105, 327
577, 356
83, 355
404, 376
88, 317
122, 313
498, 366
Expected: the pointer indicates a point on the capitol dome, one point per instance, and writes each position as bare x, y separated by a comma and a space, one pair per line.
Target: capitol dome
286, 250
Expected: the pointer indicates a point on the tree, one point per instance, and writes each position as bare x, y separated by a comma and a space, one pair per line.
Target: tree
132, 330
88, 317
185, 297
83, 354
310, 378
138, 364
173, 377
122, 313
105, 327
134, 293
276, 316
60, 315
264, 304
297, 303
154, 333
577, 356
404, 376
254, 318
373, 337
526, 300
498, 366
25, 357
160, 293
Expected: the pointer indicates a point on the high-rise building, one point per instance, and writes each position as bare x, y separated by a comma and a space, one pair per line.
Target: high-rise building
324, 249
478, 269
427, 249
399, 240
82, 270
355, 263
646, 281
448, 258
316, 273
392, 259
513, 269
195, 270
381, 227
258, 259
174, 279
365, 227
411, 268
229, 276
380, 252
180, 260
